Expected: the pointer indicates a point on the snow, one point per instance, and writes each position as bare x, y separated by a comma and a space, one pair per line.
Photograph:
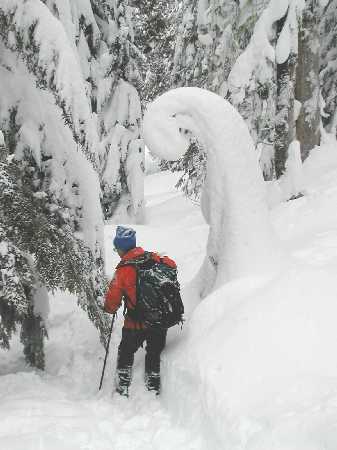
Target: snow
252, 369
55, 61
241, 240
151, 164
292, 182
121, 119
3, 248
43, 128
283, 45
135, 177
205, 39
260, 49
41, 301
61, 408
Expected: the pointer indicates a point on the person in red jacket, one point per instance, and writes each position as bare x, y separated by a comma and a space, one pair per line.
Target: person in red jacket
134, 333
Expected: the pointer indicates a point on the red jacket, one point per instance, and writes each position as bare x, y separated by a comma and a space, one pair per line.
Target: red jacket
123, 284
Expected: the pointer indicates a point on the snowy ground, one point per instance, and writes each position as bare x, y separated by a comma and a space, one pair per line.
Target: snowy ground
255, 368
61, 409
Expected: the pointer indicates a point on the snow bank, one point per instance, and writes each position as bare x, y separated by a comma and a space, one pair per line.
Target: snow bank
257, 363
261, 362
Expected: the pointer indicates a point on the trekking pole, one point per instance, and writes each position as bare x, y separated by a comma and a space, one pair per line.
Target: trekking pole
107, 350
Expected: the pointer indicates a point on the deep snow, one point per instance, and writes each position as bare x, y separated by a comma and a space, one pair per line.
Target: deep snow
255, 367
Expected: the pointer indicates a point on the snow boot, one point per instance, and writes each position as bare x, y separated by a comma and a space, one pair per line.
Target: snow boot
152, 382
123, 380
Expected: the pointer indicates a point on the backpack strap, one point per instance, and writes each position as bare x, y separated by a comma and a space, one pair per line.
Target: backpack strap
142, 259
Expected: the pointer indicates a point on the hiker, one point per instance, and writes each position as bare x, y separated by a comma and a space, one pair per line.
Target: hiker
135, 332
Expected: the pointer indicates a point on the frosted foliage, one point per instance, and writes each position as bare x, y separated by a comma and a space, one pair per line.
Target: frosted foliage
102, 39
42, 130
240, 240
124, 108
260, 46
259, 49
252, 83
54, 63
122, 121
207, 44
12, 279
73, 60
218, 32
87, 60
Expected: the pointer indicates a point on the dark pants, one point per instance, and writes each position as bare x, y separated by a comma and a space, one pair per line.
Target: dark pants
131, 341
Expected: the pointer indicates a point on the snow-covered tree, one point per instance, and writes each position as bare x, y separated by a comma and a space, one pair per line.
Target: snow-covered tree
206, 44
119, 116
50, 218
252, 84
102, 35
248, 52
155, 34
212, 35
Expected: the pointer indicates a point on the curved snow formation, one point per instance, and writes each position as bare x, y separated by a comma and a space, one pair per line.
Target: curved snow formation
241, 240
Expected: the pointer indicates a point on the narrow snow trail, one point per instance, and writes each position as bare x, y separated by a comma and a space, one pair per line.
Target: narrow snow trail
61, 409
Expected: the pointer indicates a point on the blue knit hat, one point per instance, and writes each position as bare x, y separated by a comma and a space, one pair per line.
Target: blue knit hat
125, 238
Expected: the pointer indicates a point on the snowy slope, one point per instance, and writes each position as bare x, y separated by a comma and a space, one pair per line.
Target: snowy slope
255, 367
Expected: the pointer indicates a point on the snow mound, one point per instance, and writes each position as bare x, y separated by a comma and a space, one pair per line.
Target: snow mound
241, 240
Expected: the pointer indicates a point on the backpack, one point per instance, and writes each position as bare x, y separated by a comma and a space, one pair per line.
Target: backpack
159, 303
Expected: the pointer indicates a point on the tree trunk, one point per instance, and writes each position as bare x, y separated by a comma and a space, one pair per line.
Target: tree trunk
33, 333
307, 79
284, 124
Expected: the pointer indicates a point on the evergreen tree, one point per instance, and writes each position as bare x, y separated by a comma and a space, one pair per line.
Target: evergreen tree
256, 54
211, 37
155, 34
206, 44
50, 220
102, 35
